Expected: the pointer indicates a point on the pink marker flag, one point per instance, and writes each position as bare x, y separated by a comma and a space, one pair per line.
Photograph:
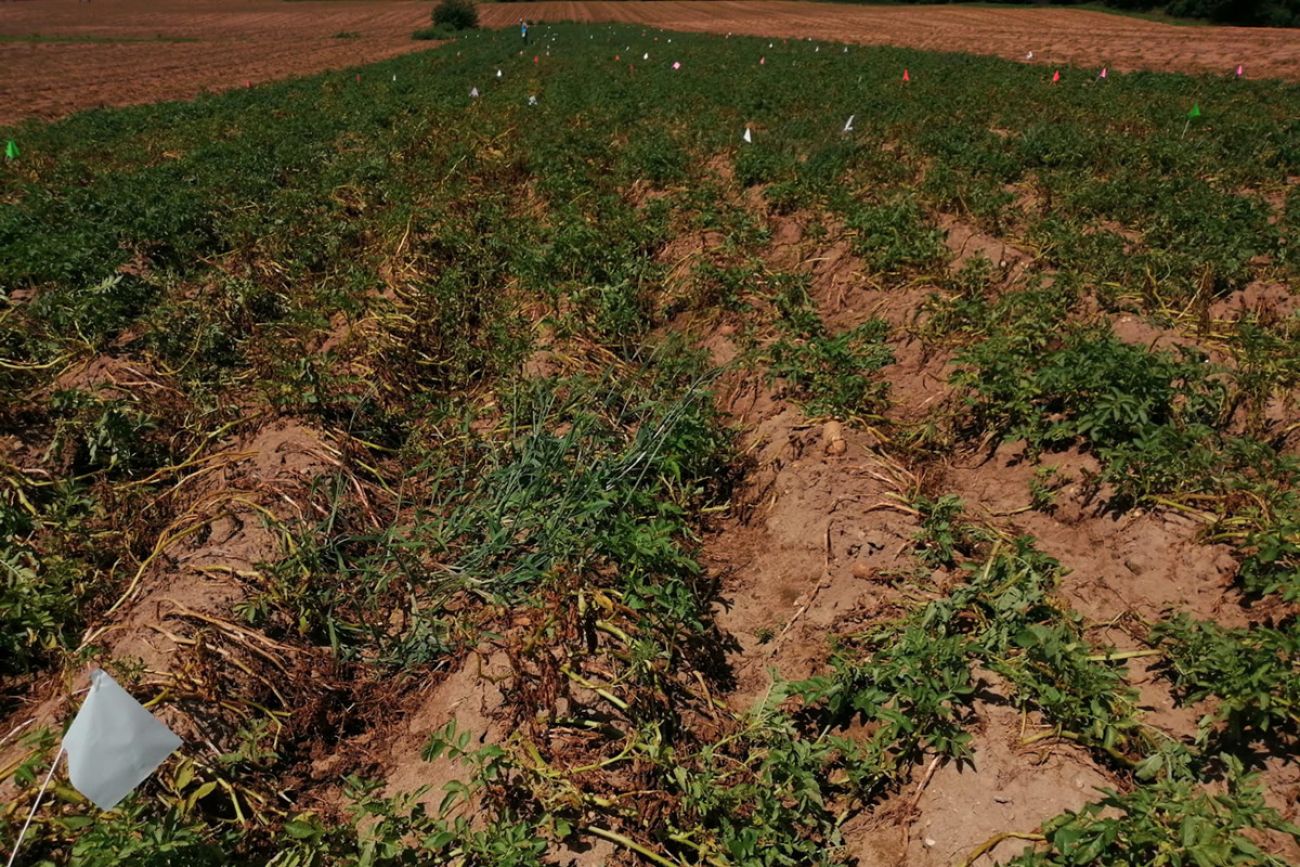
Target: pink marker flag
1056, 76
677, 64
906, 77
1241, 70
762, 61
1102, 75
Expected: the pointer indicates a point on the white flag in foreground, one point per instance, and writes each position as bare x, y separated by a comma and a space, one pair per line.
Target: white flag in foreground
747, 138
114, 743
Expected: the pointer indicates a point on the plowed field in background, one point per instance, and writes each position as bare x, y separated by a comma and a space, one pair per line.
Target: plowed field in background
259, 40
1056, 36
143, 58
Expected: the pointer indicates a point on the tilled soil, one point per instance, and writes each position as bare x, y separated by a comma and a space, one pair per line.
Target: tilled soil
1055, 36
156, 51
153, 51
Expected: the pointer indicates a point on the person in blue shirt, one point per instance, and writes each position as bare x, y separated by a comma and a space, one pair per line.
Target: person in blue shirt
523, 30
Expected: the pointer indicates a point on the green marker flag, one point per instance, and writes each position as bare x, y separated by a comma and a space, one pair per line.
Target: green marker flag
11, 150
1195, 112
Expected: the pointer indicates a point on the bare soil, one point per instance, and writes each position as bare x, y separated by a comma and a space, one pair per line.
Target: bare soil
820, 528
228, 507
1056, 36
225, 45
151, 50
820, 524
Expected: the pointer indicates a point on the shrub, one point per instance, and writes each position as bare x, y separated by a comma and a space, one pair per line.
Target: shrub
456, 14
434, 33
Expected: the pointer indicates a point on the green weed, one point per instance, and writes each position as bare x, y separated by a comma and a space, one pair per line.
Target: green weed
1172, 819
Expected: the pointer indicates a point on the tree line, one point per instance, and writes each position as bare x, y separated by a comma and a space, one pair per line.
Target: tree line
1266, 13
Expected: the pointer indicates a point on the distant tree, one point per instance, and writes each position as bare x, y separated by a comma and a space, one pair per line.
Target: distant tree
1278, 13
456, 14
1271, 13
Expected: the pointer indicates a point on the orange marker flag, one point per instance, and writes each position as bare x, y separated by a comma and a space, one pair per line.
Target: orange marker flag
906, 77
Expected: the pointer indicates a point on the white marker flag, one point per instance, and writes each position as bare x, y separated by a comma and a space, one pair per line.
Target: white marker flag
473, 93
498, 73
747, 138
114, 743
848, 125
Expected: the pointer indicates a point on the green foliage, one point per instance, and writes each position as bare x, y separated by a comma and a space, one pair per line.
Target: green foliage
895, 236
1253, 673
597, 477
908, 686
391, 831
1159, 422
833, 374
1172, 821
778, 810
1043, 487
910, 681
455, 14
612, 491
97, 434
437, 32
1055, 670
1273, 565
943, 534
1088, 385
38, 607
468, 300
1151, 417
42, 585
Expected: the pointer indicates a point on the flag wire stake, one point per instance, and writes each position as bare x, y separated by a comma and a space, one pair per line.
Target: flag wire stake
13, 856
